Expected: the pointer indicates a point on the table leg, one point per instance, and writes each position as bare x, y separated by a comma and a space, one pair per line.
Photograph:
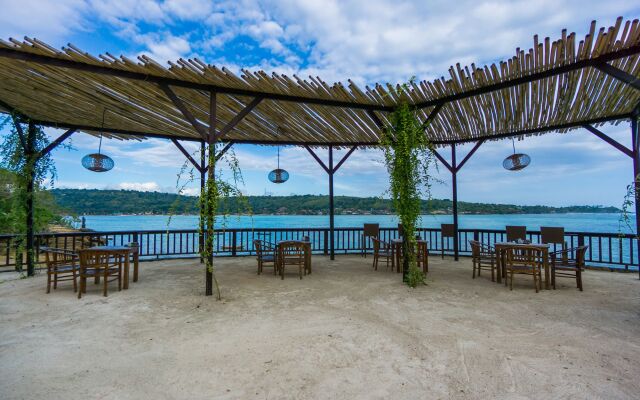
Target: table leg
126, 272
545, 263
499, 264
136, 259
307, 256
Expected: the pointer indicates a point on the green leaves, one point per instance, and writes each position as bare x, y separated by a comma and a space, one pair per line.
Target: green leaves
408, 156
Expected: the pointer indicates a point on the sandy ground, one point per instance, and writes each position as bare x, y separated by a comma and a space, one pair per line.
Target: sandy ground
345, 332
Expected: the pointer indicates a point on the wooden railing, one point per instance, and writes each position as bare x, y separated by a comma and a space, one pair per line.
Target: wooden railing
607, 250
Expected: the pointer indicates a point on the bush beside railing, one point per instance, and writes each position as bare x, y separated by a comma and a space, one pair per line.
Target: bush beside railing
608, 250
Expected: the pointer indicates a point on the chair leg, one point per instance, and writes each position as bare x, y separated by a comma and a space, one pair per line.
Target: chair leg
83, 283
55, 281
105, 284
75, 284
493, 277
473, 264
511, 287
553, 278
579, 279
48, 281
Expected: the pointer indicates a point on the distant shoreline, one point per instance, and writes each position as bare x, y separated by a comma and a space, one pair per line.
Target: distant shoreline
348, 215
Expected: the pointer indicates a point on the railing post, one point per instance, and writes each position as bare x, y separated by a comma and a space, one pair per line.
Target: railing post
233, 243
476, 235
326, 242
580, 239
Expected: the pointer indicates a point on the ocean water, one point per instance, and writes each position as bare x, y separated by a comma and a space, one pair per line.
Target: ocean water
603, 223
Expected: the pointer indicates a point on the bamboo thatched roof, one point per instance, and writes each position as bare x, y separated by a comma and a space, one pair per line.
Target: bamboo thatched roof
555, 85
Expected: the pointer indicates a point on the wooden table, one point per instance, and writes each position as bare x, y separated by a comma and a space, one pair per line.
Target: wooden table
501, 265
396, 252
125, 252
307, 252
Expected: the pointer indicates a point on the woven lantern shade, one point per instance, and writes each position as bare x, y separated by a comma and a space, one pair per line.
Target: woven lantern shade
516, 161
278, 175
97, 162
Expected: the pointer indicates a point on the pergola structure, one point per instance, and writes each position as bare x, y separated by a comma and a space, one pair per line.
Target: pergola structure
558, 85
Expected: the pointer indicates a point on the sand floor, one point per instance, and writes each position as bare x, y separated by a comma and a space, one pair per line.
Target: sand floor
345, 332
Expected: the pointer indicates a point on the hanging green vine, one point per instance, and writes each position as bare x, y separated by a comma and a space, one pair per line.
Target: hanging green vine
631, 196
17, 156
408, 156
219, 194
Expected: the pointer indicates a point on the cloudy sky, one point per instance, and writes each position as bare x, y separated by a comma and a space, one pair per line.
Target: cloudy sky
368, 41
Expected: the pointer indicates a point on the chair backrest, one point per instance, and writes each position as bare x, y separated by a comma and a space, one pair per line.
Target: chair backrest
400, 230
524, 255
306, 239
447, 230
516, 232
258, 245
581, 254
475, 248
371, 230
55, 256
553, 235
135, 246
292, 251
93, 259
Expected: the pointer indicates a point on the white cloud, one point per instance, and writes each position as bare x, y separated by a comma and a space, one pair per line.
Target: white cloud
47, 20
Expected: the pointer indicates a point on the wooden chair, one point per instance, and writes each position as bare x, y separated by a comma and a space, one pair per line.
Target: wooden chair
422, 255
446, 231
382, 249
553, 236
525, 260
369, 231
515, 233
562, 265
265, 254
95, 264
291, 253
62, 265
483, 257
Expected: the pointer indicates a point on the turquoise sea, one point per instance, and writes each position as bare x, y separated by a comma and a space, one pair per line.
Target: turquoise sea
604, 223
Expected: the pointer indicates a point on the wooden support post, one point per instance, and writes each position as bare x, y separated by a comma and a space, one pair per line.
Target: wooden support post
203, 178
454, 184
635, 144
32, 159
210, 180
331, 207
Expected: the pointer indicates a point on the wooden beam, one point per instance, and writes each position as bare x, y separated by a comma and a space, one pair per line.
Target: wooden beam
55, 143
619, 74
224, 150
443, 161
16, 124
432, 115
375, 119
609, 140
184, 110
550, 128
238, 117
344, 159
468, 156
327, 170
186, 154
177, 82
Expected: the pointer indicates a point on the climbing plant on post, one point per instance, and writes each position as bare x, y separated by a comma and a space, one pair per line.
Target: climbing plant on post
408, 156
25, 152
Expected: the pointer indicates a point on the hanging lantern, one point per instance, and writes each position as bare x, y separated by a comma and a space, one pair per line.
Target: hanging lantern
278, 175
98, 162
516, 161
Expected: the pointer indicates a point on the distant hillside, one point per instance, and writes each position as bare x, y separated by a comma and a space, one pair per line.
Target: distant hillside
104, 202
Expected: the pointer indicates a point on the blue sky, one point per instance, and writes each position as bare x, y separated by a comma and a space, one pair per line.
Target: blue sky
367, 41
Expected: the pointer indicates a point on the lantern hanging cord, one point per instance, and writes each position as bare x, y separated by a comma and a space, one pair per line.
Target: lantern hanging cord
514, 145
100, 144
